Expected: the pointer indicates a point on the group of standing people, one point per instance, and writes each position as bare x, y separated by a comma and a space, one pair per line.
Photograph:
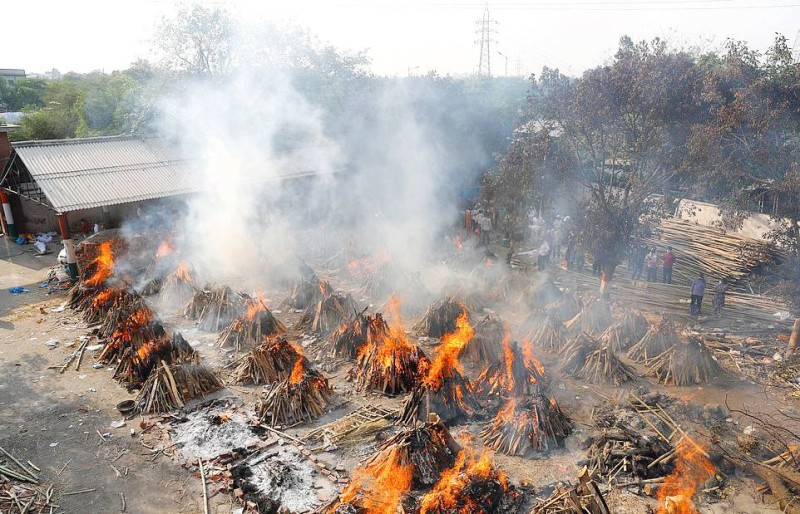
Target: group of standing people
644, 260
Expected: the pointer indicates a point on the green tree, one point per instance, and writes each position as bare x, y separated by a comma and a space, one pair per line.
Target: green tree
198, 40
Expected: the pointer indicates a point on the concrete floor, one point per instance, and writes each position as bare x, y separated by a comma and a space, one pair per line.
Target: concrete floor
20, 265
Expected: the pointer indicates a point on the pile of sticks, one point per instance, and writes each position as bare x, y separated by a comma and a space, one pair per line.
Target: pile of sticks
689, 362
565, 309
271, 361
388, 363
451, 399
349, 338
626, 332
658, 340
440, 318
127, 312
357, 427
471, 485
327, 314
549, 335
170, 386
213, 308
428, 447
542, 293
178, 289
588, 359
513, 375
593, 319
713, 251
307, 293
524, 426
295, 400
251, 326
486, 346
584, 498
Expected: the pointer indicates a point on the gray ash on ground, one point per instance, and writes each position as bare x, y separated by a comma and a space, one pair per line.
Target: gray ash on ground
209, 434
283, 482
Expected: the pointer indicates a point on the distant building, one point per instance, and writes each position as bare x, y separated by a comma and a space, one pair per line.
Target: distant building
11, 76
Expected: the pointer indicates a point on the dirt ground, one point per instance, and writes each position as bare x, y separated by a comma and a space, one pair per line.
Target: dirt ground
63, 422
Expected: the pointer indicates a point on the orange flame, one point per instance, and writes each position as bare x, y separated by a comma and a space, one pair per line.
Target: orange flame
449, 492
182, 272
165, 249
103, 297
255, 306
446, 358
529, 359
298, 371
379, 489
104, 263
692, 469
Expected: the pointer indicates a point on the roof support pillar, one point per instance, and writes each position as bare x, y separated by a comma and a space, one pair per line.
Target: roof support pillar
8, 216
69, 248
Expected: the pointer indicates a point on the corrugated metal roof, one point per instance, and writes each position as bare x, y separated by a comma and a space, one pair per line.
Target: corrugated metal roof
93, 172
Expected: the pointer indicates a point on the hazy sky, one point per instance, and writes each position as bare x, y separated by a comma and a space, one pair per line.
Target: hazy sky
400, 35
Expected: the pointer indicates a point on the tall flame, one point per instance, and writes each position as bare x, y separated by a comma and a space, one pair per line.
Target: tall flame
299, 370
104, 265
692, 469
530, 360
255, 306
446, 358
379, 489
182, 272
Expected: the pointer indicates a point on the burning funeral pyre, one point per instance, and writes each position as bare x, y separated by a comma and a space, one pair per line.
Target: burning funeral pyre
251, 327
170, 386
472, 485
327, 314
594, 318
517, 374
440, 318
692, 470
349, 338
302, 397
589, 359
626, 332
178, 289
549, 335
658, 340
389, 363
213, 308
271, 361
486, 346
689, 362
444, 390
526, 425
95, 273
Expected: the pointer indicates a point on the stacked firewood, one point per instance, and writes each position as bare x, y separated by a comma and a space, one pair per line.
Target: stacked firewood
690, 362
440, 318
327, 314
549, 335
565, 309
214, 307
473, 484
486, 346
306, 293
626, 332
542, 293
594, 318
302, 397
271, 361
533, 424
658, 340
589, 359
429, 447
514, 375
583, 498
178, 288
452, 399
170, 386
251, 326
348, 340
388, 363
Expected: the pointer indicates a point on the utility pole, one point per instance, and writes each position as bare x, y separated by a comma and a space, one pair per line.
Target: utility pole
504, 56
485, 30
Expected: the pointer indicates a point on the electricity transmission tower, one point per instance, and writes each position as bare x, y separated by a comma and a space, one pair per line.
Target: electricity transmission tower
486, 28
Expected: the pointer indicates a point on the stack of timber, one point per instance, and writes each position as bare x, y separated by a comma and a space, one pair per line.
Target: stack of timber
170, 386
588, 359
689, 362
